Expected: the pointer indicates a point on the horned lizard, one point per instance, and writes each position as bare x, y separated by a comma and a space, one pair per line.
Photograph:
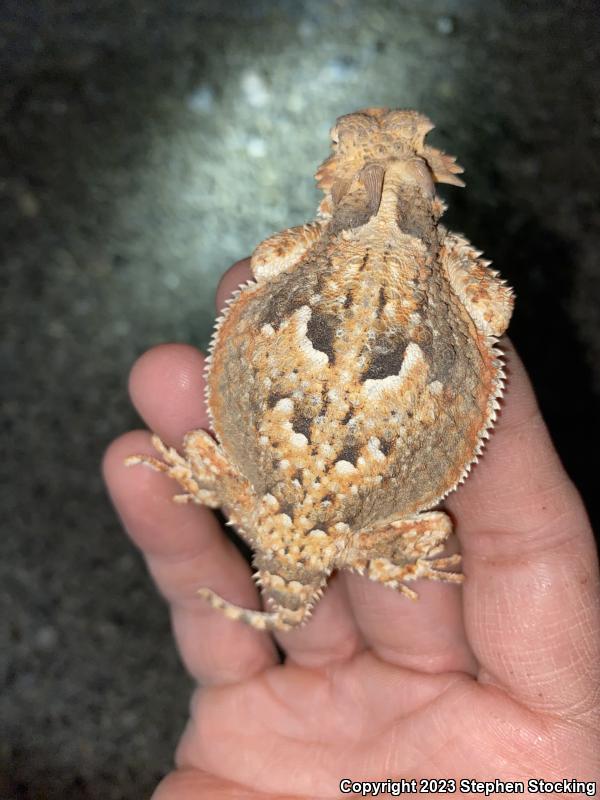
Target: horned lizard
352, 383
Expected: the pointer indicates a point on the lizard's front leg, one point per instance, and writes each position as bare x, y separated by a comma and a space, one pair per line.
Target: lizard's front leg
486, 297
205, 473
403, 550
281, 252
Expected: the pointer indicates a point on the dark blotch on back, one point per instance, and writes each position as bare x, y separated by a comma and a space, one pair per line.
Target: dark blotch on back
385, 446
415, 218
349, 452
386, 360
302, 424
348, 218
288, 293
321, 331
274, 398
286, 508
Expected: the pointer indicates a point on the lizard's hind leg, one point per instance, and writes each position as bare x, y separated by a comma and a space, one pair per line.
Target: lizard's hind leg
403, 550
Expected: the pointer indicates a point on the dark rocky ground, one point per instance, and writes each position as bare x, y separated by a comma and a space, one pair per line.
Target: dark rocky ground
143, 147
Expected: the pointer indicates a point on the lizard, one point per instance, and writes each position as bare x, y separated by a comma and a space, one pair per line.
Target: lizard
353, 382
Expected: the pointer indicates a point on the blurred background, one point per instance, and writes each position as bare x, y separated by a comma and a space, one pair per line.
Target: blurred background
144, 146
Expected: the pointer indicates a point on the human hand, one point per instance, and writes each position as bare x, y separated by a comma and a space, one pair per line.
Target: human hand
497, 679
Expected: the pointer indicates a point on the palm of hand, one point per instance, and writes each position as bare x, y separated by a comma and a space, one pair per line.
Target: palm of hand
498, 679
304, 730
363, 718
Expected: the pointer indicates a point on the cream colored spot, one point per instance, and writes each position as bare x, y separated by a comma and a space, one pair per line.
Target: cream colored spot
373, 447
326, 450
412, 355
272, 581
344, 467
435, 387
316, 356
267, 330
285, 404
375, 387
298, 440
300, 319
341, 527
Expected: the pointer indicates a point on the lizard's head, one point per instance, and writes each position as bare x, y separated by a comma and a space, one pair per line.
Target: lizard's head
375, 137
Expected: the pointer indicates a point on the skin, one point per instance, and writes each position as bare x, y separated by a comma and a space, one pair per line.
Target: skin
499, 678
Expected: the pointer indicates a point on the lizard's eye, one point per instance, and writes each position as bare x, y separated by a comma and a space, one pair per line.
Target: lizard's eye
335, 137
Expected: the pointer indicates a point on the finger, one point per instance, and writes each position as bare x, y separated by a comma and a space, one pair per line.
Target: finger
166, 385
532, 596
235, 276
185, 549
426, 635
184, 544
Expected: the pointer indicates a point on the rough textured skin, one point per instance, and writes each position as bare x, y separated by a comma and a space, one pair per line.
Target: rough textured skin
353, 383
